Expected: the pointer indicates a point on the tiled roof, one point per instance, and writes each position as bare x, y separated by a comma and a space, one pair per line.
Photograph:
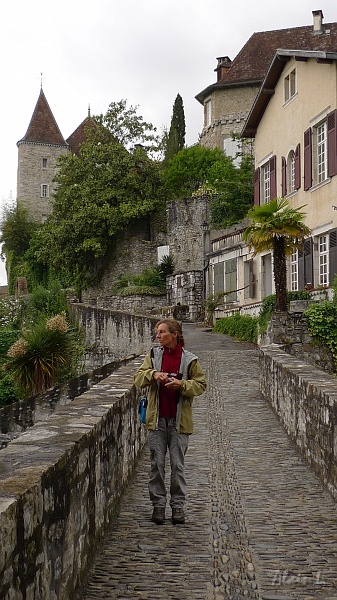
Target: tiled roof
253, 60
43, 128
79, 136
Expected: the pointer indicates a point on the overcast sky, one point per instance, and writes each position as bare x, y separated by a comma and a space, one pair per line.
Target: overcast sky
145, 51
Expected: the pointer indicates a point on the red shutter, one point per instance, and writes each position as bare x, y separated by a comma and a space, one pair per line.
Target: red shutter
284, 176
332, 143
273, 190
257, 186
307, 159
298, 167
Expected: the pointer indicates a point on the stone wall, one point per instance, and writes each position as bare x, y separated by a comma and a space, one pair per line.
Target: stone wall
305, 400
19, 416
186, 289
139, 304
290, 330
134, 251
60, 485
111, 335
185, 235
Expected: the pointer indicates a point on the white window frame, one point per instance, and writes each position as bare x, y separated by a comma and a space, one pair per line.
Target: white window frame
44, 190
294, 270
265, 183
290, 85
321, 152
323, 259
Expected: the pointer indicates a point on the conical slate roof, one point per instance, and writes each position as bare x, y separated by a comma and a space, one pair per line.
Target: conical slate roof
43, 128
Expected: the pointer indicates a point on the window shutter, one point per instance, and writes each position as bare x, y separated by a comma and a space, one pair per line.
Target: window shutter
298, 167
332, 143
300, 266
284, 176
257, 186
273, 190
308, 262
332, 255
307, 159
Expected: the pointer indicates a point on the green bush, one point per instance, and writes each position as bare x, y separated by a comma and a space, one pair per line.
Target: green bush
48, 301
42, 356
242, 327
322, 324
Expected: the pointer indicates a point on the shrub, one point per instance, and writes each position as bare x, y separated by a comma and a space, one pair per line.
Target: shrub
42, 356
48, 301
239, 326
322, 324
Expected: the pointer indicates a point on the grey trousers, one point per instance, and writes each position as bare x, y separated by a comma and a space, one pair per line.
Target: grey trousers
166, 436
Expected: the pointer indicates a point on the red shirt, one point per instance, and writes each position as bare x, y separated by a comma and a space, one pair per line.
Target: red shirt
168, 399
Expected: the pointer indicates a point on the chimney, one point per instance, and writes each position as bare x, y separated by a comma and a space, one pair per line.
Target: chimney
318, 21
224, 64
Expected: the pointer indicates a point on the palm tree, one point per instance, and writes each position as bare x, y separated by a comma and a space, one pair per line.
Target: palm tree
278, 227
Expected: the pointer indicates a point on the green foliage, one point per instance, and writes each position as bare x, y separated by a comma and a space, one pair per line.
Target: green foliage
165, 267
211, 304
100, 193
151, 281
42, 356
234, 192
175, 140
8, 390
13, 313
48, 302
322, 323
16, 229
189, 169
199, 171
242, 327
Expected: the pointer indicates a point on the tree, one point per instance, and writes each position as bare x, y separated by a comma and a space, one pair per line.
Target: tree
278, 227
175, 140
100, 193
198, 170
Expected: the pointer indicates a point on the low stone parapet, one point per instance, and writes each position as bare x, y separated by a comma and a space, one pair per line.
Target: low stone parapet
60, 485
305, 400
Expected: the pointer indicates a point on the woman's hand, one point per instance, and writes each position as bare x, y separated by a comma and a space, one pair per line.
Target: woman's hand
173, 384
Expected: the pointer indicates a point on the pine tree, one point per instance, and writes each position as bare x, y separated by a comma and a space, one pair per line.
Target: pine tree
176, 135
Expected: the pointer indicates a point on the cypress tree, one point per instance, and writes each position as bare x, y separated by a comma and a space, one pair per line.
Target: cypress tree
176, 135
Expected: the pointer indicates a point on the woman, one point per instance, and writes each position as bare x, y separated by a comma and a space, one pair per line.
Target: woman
175, 377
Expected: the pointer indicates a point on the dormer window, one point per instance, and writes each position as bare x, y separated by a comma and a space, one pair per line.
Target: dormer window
290, 86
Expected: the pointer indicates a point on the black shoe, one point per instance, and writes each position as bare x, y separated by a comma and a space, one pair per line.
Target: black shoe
178, 516
158, 515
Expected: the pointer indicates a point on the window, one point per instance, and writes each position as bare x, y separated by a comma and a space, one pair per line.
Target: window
208, 113
249, 287
232, 148
320, 150
218, 274
44, 163
321, 155
231, 280
323, 256
294, 271
44, 190
290, 86
265, 182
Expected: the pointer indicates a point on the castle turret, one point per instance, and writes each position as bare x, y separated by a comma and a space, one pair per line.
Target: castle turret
39, 151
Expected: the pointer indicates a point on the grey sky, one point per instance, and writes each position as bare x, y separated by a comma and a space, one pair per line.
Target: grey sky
146, 51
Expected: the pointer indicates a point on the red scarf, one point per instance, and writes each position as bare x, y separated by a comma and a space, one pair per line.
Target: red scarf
168, 399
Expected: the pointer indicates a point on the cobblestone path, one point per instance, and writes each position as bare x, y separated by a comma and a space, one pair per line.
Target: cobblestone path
259, 524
